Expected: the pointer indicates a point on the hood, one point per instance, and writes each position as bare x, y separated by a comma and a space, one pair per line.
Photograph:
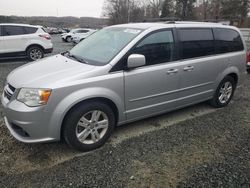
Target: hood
45, 72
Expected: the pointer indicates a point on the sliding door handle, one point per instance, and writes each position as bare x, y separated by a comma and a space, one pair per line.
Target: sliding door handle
172, 71
188, 68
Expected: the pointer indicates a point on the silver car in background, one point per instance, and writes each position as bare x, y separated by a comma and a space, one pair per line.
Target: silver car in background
121, 74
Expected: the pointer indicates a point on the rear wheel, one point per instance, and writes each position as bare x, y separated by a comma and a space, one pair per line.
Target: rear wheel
224, 93
88, 126
34, 53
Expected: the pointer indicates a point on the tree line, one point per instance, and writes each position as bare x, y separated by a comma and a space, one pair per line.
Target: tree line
124, 11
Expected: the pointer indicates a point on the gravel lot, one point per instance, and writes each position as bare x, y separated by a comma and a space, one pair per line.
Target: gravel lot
198, 146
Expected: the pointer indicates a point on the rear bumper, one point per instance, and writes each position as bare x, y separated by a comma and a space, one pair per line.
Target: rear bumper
49, 50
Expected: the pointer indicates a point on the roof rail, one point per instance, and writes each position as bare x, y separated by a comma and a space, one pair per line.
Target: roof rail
189, 22
170, 19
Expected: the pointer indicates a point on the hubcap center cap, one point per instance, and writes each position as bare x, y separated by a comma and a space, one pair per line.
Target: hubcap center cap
92, 125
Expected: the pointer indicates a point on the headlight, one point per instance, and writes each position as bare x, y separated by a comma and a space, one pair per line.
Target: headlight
34, 97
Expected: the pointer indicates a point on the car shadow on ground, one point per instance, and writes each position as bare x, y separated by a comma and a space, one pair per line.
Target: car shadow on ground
14, 60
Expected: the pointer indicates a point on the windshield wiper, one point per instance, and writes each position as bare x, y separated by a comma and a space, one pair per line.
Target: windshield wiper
69, 55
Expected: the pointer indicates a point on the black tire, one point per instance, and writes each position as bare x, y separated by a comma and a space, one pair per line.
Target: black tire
248, 71
74, 116
68, 39
32, 50
215, 102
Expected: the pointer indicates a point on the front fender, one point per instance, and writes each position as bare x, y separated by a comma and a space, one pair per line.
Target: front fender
81, 95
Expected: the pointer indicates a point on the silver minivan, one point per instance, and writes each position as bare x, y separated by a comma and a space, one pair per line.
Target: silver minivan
121, 74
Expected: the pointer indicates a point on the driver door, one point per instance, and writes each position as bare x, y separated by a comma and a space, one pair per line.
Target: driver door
153, 88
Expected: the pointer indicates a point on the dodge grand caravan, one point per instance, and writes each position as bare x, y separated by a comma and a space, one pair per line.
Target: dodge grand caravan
122, 74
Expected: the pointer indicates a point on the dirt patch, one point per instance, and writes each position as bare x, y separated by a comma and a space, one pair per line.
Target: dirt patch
169, 168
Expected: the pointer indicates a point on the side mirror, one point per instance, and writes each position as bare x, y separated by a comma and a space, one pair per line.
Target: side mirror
136, 60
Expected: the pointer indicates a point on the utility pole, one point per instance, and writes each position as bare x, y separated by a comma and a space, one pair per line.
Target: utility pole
128, 1
205, 3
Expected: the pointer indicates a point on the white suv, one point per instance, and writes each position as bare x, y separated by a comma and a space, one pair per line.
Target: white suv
78, 37
67, 37
24, 40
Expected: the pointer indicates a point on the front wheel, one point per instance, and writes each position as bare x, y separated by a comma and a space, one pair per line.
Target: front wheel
224, 92
88, 126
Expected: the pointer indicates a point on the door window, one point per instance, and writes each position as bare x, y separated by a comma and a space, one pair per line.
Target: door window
13, 30
196, 42
157, 48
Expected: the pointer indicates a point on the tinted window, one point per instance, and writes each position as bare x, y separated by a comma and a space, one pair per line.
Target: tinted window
196, 42
227, 40
30, 30
0, 30
13, 30
157, 47
82, 31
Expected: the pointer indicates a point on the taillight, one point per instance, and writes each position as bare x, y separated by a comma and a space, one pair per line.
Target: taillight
46, 36
248, 58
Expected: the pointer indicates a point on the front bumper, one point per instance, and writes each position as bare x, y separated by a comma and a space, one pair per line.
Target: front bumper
28, 125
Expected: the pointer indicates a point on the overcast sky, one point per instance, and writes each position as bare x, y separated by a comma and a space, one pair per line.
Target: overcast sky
78, 8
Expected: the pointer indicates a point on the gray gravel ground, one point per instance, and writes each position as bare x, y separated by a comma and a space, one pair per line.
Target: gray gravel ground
194, 147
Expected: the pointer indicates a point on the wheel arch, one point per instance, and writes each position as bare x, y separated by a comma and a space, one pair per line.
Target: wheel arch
105, 100
230, 71
34, 45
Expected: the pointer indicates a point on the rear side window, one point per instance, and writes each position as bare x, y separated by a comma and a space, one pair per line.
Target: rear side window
9, 30
196, 42
157, 48
227, 40
30, 30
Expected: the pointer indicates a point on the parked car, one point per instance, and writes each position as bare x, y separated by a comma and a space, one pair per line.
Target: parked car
67, 37
78, 37
121, 74
246, 35
24, 40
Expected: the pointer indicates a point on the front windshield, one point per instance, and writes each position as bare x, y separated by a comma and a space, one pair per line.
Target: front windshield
101, 47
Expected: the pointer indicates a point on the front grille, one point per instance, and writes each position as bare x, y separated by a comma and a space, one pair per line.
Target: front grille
7, 95
9, 91
12, 88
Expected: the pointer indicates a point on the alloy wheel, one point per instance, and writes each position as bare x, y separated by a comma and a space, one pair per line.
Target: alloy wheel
92, 127
225, 92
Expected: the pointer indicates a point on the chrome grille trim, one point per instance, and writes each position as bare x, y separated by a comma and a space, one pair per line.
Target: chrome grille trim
9, 91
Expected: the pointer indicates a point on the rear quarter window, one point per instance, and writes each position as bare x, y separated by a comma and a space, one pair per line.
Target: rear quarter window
30, 30
196, 42
227, 40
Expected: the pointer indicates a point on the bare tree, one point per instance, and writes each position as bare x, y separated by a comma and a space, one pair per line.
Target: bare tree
156, 8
